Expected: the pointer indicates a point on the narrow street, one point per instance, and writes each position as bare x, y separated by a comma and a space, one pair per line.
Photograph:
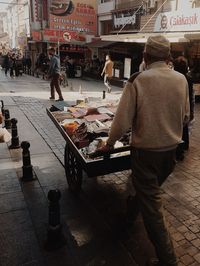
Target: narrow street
93, 222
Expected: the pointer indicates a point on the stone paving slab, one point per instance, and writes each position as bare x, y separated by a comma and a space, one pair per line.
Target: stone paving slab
18, 245
26, 132
4, 151
8, 180
12, 202
48, 170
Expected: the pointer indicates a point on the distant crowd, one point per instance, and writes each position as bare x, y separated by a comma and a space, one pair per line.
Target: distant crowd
15, 63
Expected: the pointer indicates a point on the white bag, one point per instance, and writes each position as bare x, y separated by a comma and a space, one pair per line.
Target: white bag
5, 136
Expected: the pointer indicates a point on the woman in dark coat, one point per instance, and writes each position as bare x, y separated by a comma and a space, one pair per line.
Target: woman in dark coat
180, 65
7, 63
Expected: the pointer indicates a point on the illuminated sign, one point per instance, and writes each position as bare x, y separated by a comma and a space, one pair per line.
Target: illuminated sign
178, 21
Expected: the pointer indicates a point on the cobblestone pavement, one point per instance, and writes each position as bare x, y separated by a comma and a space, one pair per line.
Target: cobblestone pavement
93, 222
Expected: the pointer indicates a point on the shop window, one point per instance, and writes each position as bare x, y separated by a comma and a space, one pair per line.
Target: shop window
106, 27
167, 7
104, 1
194, 4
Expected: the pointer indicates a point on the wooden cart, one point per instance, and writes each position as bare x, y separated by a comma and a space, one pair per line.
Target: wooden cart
76, 163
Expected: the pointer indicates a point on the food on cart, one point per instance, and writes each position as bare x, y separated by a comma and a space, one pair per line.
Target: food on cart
70, 127
92, 111
77, 112
60, 116
80, 136
104, 110
88, 125
100, 117
94, 149
94, 146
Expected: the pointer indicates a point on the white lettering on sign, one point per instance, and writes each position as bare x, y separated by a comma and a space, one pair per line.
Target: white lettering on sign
122, 20
178, 21
191, 20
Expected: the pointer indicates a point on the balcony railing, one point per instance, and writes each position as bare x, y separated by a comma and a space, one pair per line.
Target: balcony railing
128, 4
105, 7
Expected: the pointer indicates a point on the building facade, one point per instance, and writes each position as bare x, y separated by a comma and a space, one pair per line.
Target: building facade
18, 24
4, 40
134, 20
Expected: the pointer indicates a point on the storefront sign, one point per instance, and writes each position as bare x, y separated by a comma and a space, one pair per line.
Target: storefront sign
36, 35
36, 9
22, 40
77, 17
127, 68
62, 36
121, 20
178, 21
66, 36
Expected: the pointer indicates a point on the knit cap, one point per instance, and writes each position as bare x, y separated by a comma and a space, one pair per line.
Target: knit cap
158, 46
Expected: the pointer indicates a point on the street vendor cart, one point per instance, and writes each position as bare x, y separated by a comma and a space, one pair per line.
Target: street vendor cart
76, 161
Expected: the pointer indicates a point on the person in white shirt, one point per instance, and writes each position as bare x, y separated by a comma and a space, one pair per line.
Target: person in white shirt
107, 71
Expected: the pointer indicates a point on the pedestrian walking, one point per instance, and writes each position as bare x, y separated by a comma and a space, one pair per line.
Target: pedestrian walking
28, 64
54, 75
181, 65
12, 65
155, 104
107, 72
6, 63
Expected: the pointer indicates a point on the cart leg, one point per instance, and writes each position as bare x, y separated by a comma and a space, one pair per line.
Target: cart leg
73, 171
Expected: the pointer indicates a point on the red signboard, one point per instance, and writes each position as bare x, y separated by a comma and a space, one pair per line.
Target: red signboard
36, 35
76, 19
62, 36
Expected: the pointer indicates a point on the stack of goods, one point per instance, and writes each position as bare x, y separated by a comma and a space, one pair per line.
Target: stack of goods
87, 125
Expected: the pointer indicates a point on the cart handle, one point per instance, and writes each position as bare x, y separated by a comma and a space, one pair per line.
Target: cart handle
106, 155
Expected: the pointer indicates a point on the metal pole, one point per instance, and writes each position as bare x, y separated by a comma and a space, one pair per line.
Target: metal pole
153, 16
58, 47
27, 168
55, 237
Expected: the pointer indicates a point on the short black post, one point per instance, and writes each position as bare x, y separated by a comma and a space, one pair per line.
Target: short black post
7, 120
14, 133
55, 238
27, 168
2, 108
104, 94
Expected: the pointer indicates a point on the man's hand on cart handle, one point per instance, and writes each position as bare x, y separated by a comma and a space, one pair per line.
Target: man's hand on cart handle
106, 148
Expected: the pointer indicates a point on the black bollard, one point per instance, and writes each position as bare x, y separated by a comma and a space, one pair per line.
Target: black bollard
2, 108
7, 120
104, 94
27, 168
55, 238
14, 133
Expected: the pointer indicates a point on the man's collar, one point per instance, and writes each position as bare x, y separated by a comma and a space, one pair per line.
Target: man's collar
157, 64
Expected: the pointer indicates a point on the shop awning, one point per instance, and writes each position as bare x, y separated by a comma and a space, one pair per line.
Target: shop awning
173, 37
142, 37
100, 44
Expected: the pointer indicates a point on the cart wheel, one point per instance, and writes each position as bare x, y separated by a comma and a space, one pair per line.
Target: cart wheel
73, 171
